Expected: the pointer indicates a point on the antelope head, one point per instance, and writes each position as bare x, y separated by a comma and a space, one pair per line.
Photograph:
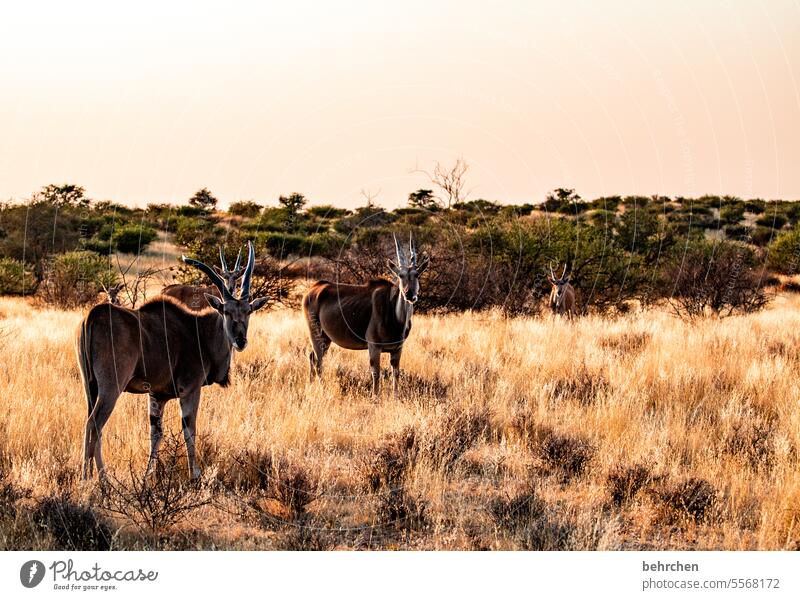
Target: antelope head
235, 311
113, 293
407, 270
559, 284
230, 277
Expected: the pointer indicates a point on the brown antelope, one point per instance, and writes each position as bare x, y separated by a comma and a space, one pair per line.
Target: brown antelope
562, 295
374, 316
163, 349
193, 296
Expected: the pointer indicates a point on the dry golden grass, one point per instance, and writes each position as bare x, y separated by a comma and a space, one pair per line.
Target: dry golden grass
641, 432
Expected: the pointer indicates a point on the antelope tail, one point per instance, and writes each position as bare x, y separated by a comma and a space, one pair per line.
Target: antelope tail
84, 360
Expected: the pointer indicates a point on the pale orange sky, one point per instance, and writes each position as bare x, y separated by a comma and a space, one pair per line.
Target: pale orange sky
148, 104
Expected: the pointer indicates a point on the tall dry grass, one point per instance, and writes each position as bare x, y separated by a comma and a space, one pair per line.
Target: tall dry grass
641, 432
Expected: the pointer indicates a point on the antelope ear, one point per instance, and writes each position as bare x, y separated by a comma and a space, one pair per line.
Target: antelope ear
393, 266
214, 302
423, 265
217, 270
550, 279
258, 303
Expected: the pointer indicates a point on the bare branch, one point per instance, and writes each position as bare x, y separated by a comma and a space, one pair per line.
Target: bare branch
451, 181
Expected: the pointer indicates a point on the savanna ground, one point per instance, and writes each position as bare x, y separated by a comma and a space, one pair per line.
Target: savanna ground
635, 432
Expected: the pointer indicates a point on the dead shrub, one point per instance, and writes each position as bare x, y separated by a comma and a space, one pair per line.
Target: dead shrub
353, 383
513, 513
292, 486
415, 385
255, 369
547, 533
455, 432
582, 386
790, 285
624, 483
752, 439
10, 494
691, 498
399, 509
387, 465
153, 503
72, 525
627, 342
248, 471
306, 535
563, 455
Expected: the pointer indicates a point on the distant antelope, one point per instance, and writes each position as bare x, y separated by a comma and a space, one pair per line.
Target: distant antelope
562, 295
163, 349
193, 296
112, 293
374, 316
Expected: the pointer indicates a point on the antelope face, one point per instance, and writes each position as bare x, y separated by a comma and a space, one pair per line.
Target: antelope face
407, 270
559, 288
408, 282
235, 311
236, 317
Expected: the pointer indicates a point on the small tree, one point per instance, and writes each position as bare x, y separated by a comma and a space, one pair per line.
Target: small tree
66, 194
451, 181
291, 206
203, 199
293, 203
423, 198
560, 197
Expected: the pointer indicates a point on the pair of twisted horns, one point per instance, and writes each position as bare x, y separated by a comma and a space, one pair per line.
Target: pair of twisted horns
244, 294
401, 257
562, 272
224, 264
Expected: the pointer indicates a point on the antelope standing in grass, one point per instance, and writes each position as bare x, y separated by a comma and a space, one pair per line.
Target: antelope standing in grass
562, 294
163, 349
193, 296
374, 316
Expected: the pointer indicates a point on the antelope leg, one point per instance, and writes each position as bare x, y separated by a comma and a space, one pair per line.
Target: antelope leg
190, 402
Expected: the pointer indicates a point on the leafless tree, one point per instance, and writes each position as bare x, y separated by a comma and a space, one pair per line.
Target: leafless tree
135, 284
370, 196
451, 181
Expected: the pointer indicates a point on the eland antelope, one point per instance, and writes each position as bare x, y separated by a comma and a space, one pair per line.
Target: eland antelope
562, 294
112, 293
374, 316
165, 350
193, 296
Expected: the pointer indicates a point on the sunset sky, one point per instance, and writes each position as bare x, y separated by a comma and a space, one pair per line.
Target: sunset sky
149, 104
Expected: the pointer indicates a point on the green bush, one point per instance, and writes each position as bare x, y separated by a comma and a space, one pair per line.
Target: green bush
772, 219
245, 208
742, 233
15, 279
761, 236
732, 213
76, 278
188, 230
784, 252
754, 207
191, 211
132, 238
